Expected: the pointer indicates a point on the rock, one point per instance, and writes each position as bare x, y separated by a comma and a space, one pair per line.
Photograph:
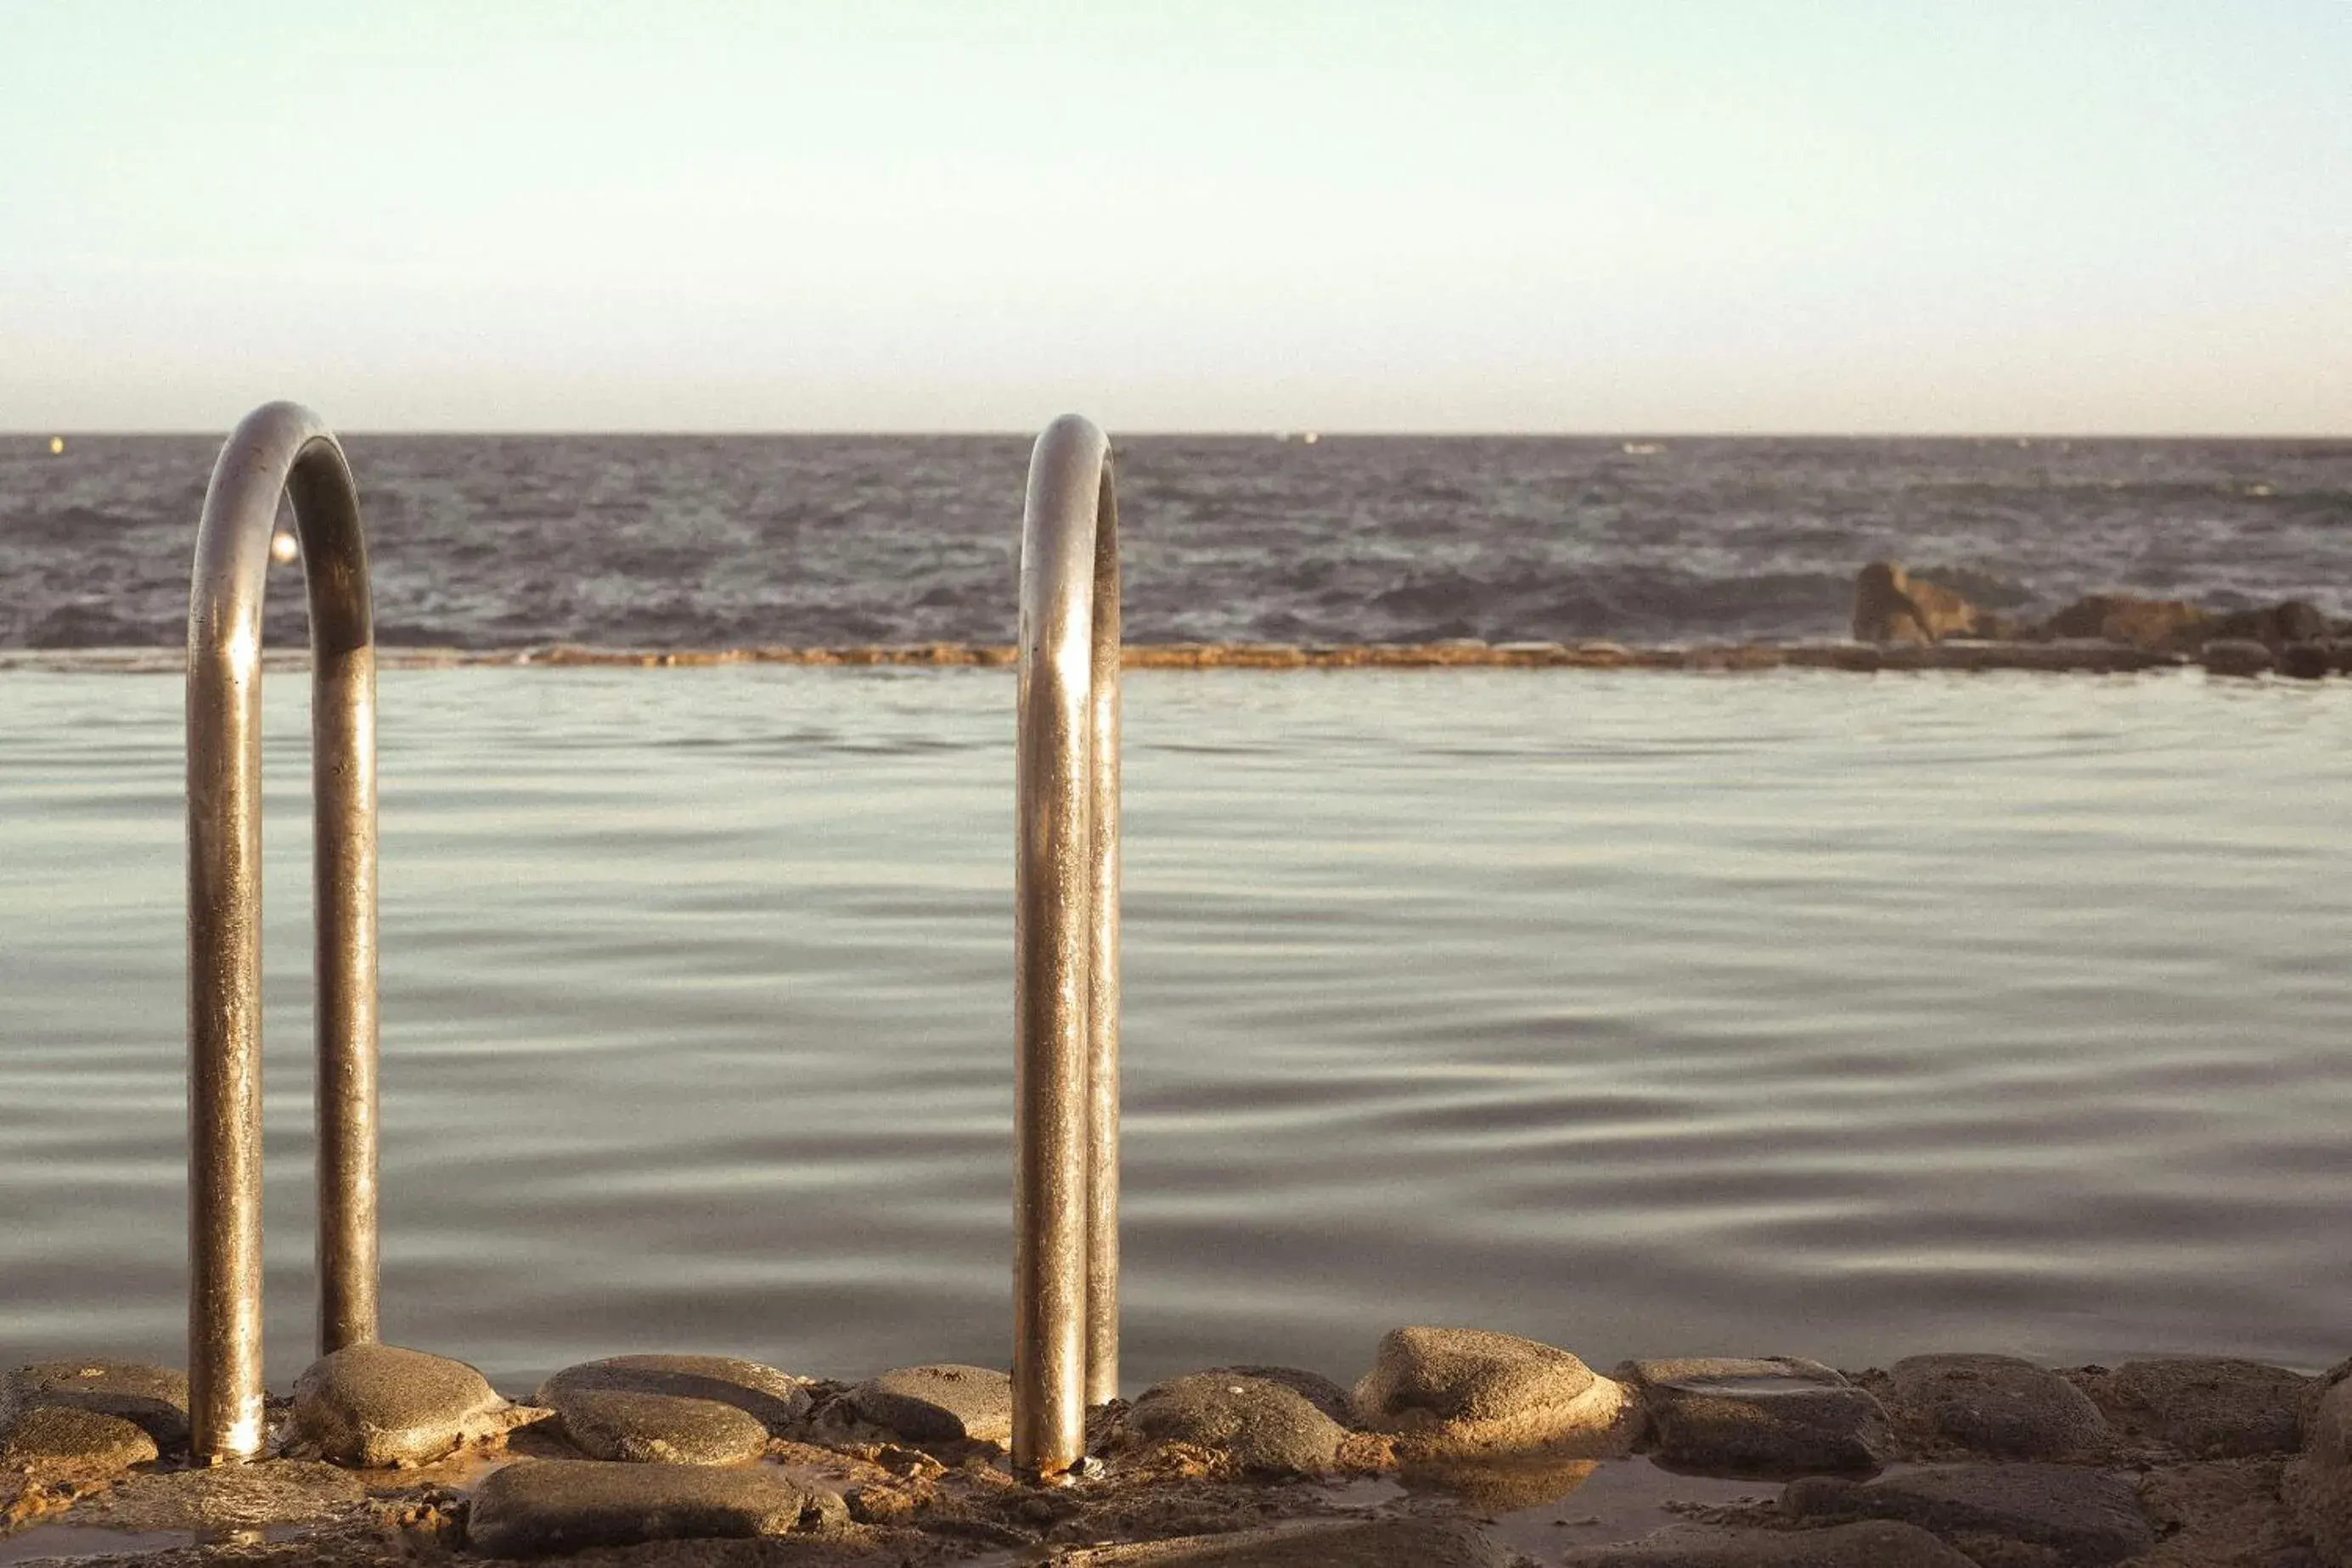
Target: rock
1999, 1405
2310, 661
378, 1405
2164, 625
2276, 625
536, 1508
1317, 1389
1870, 1543
2317, 1487
2086, 1516
1255, 1422
1890, 605
2212, 1407
658, 1428
777, 1399
1322, 1543
229, 1497
1464, 1391
60, 1435
1770, 1415
673, 1409
945, 1403
2236, 656
156, 1397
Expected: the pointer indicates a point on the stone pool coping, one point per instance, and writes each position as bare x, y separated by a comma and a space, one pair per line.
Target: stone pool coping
1457, 1447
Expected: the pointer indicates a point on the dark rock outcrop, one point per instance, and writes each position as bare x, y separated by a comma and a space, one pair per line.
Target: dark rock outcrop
2166, 625
1890, 605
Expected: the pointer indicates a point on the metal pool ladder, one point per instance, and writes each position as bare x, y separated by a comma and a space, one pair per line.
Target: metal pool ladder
279, 449
1066, 953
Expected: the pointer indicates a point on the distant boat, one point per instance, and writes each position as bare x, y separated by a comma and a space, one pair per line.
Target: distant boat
1310, 438
1642, 448
57, 445
284, 547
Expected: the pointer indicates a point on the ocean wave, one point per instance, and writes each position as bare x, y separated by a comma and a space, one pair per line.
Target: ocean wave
703, 542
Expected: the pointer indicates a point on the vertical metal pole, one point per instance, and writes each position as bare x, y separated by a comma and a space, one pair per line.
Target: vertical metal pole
279, 448
1065, 951
1102, 961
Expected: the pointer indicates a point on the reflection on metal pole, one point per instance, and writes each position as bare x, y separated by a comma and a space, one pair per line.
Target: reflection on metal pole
279, 449
1066, 953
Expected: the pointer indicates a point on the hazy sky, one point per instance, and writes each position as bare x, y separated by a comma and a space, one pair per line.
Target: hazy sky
1631, 215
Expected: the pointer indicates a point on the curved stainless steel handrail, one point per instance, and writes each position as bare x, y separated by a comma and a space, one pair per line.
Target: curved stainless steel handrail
1065, 951
279, 448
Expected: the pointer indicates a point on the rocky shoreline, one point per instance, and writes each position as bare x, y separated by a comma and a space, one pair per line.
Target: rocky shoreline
2079, 655
1902, 622
1456, 1447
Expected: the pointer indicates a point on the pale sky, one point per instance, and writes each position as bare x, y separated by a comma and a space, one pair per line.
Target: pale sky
1636, 216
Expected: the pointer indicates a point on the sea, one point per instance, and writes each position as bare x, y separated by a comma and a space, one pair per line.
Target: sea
1643, 1012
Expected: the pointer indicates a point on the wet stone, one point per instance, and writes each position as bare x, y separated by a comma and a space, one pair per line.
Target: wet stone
1775, 1415
58, 1435
944, 1404
1868, 1543
1359, 1544
2215, 1407
776, 1399
1999, 1405
1453, 1392
658, 1428
156, 1397
2086, 1516
378, 1405
1255, 1422
230, 1496
2318, 1486
537, 1508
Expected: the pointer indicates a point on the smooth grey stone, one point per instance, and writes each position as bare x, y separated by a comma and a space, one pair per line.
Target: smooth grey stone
62, 1435
156, 1397
1772, 1415
942, 1404
1324, 1543
538, 1507
1318, 1390
2087, 1516
1255, 1422
777, 1399
378, 1405
1999, 1405
1868, 1543
225, 1497
2215, 1407
656, 1428
2318, 1486
1466, 1390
